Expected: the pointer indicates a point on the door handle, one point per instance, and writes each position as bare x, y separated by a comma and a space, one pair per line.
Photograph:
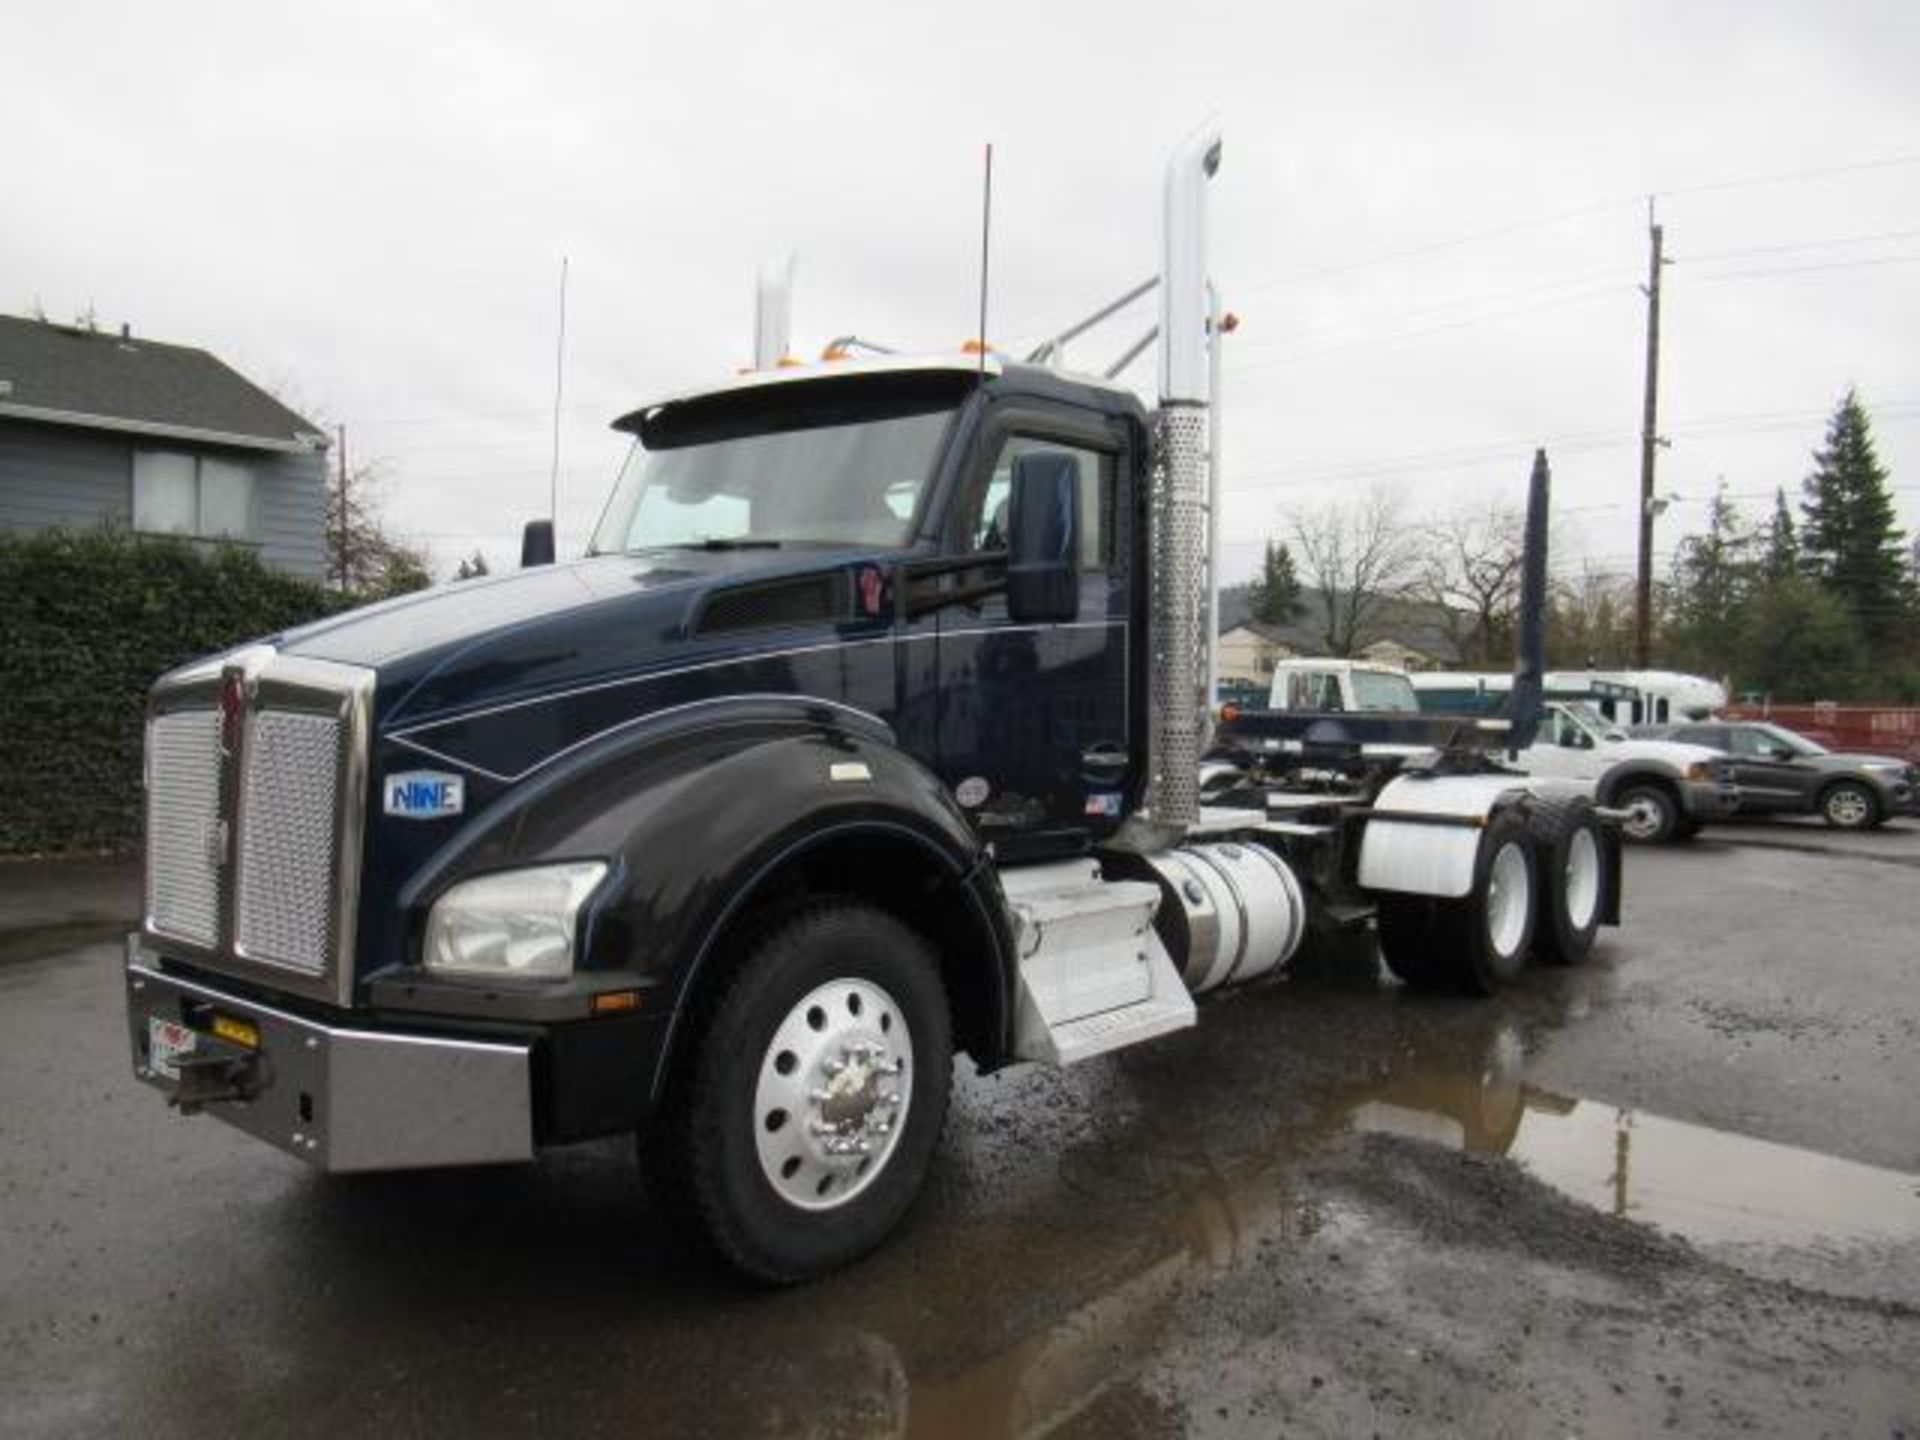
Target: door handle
1105, 761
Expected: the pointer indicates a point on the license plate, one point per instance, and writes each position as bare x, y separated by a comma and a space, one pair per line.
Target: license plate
167, 1041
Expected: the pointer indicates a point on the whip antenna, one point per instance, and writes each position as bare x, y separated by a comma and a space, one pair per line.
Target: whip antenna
986, 237
559, 379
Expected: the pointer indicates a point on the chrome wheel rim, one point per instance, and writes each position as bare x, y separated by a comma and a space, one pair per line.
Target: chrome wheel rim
1847, 807
1582, 878
1644, 818
831, 1100
1509, 899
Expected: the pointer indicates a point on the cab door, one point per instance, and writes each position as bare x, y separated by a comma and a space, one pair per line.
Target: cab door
1036, 733
1563, 747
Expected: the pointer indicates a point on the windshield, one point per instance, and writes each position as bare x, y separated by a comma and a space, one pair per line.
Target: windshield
1798, 744
1589, 720
1374, 690
854, 482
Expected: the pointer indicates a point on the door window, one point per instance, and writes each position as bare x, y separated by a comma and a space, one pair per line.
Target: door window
1096, 471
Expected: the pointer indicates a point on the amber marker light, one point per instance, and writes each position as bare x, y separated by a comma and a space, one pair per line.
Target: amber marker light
615, 1002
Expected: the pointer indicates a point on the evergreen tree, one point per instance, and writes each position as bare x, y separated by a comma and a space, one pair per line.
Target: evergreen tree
1713, 575
1801, 644
1275, 596
1780, 547
1849, 541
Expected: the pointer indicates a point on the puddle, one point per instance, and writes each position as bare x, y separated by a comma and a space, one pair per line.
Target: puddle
1775, 1210
1772, 1210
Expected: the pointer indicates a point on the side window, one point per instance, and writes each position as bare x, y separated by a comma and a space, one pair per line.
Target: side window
1096, 469
1747, 744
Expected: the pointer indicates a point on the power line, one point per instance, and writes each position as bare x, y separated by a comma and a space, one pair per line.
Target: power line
1788, 177
1861, 264
1545, 287
1521, 225
1420, 333
1832, 243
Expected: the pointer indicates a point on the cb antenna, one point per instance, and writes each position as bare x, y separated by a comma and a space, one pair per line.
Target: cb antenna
559, 379
986, 238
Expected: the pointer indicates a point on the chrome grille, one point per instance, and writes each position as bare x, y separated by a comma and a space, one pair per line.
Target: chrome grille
290, 795
184, 838
254, 837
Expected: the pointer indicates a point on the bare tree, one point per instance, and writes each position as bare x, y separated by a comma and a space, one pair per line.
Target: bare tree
362, 559
1590, 621
1360, 557
1471, 572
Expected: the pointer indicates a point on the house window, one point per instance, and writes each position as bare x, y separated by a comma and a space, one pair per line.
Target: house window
199, 495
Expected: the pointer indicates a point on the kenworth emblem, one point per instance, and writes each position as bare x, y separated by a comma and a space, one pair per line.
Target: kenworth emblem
233, 710
425, 795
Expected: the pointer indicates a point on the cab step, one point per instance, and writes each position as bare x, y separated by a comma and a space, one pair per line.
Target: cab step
1094, 976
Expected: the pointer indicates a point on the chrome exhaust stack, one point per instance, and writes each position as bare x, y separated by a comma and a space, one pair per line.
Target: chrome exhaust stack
1180, 608
773, 313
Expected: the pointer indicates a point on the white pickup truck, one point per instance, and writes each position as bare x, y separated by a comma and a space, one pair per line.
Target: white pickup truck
1668, 790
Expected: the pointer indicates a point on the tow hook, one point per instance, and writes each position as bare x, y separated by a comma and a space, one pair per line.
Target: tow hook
215, 1076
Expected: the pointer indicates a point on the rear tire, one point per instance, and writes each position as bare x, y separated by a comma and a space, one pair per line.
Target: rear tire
1477, 944
1491, 931
787, 1137
1573, 879
1849, 805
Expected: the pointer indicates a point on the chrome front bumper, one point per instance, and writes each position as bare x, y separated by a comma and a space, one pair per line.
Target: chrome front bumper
341, 1098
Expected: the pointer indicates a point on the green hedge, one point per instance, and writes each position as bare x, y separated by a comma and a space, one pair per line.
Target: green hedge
88, 620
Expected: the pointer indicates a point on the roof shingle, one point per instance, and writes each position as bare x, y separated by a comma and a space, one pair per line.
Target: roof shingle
67, 375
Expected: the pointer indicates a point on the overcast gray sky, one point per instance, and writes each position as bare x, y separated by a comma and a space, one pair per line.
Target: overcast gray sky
1431, 217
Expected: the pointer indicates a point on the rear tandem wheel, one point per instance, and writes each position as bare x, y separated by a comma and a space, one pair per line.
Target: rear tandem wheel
1479, 942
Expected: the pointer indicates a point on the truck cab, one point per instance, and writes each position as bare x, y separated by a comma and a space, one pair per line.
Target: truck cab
1350, 686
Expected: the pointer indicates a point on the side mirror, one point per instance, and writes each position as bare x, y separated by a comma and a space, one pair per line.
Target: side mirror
1043, 539
536, 543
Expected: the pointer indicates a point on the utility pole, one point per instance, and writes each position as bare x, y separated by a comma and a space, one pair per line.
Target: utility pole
341, 431
1649, 447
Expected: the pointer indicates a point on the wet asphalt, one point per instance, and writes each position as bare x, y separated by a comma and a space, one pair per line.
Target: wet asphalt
1677, 1188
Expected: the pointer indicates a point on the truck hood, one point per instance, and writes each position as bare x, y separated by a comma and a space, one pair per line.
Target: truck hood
1671, 751
472, 641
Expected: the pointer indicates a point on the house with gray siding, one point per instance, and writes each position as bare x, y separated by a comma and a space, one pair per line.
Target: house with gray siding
104, 428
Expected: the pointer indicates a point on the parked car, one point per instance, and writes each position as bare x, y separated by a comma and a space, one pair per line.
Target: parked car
1783, 773
1667, 789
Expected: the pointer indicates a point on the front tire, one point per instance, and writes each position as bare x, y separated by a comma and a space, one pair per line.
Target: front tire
801, 1130
1653, 814
1849, 805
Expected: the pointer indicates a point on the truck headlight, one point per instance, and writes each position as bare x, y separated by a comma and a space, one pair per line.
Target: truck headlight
1700, 770
515, 923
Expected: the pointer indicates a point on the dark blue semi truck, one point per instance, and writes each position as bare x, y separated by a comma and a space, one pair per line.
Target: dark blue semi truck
869, 729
